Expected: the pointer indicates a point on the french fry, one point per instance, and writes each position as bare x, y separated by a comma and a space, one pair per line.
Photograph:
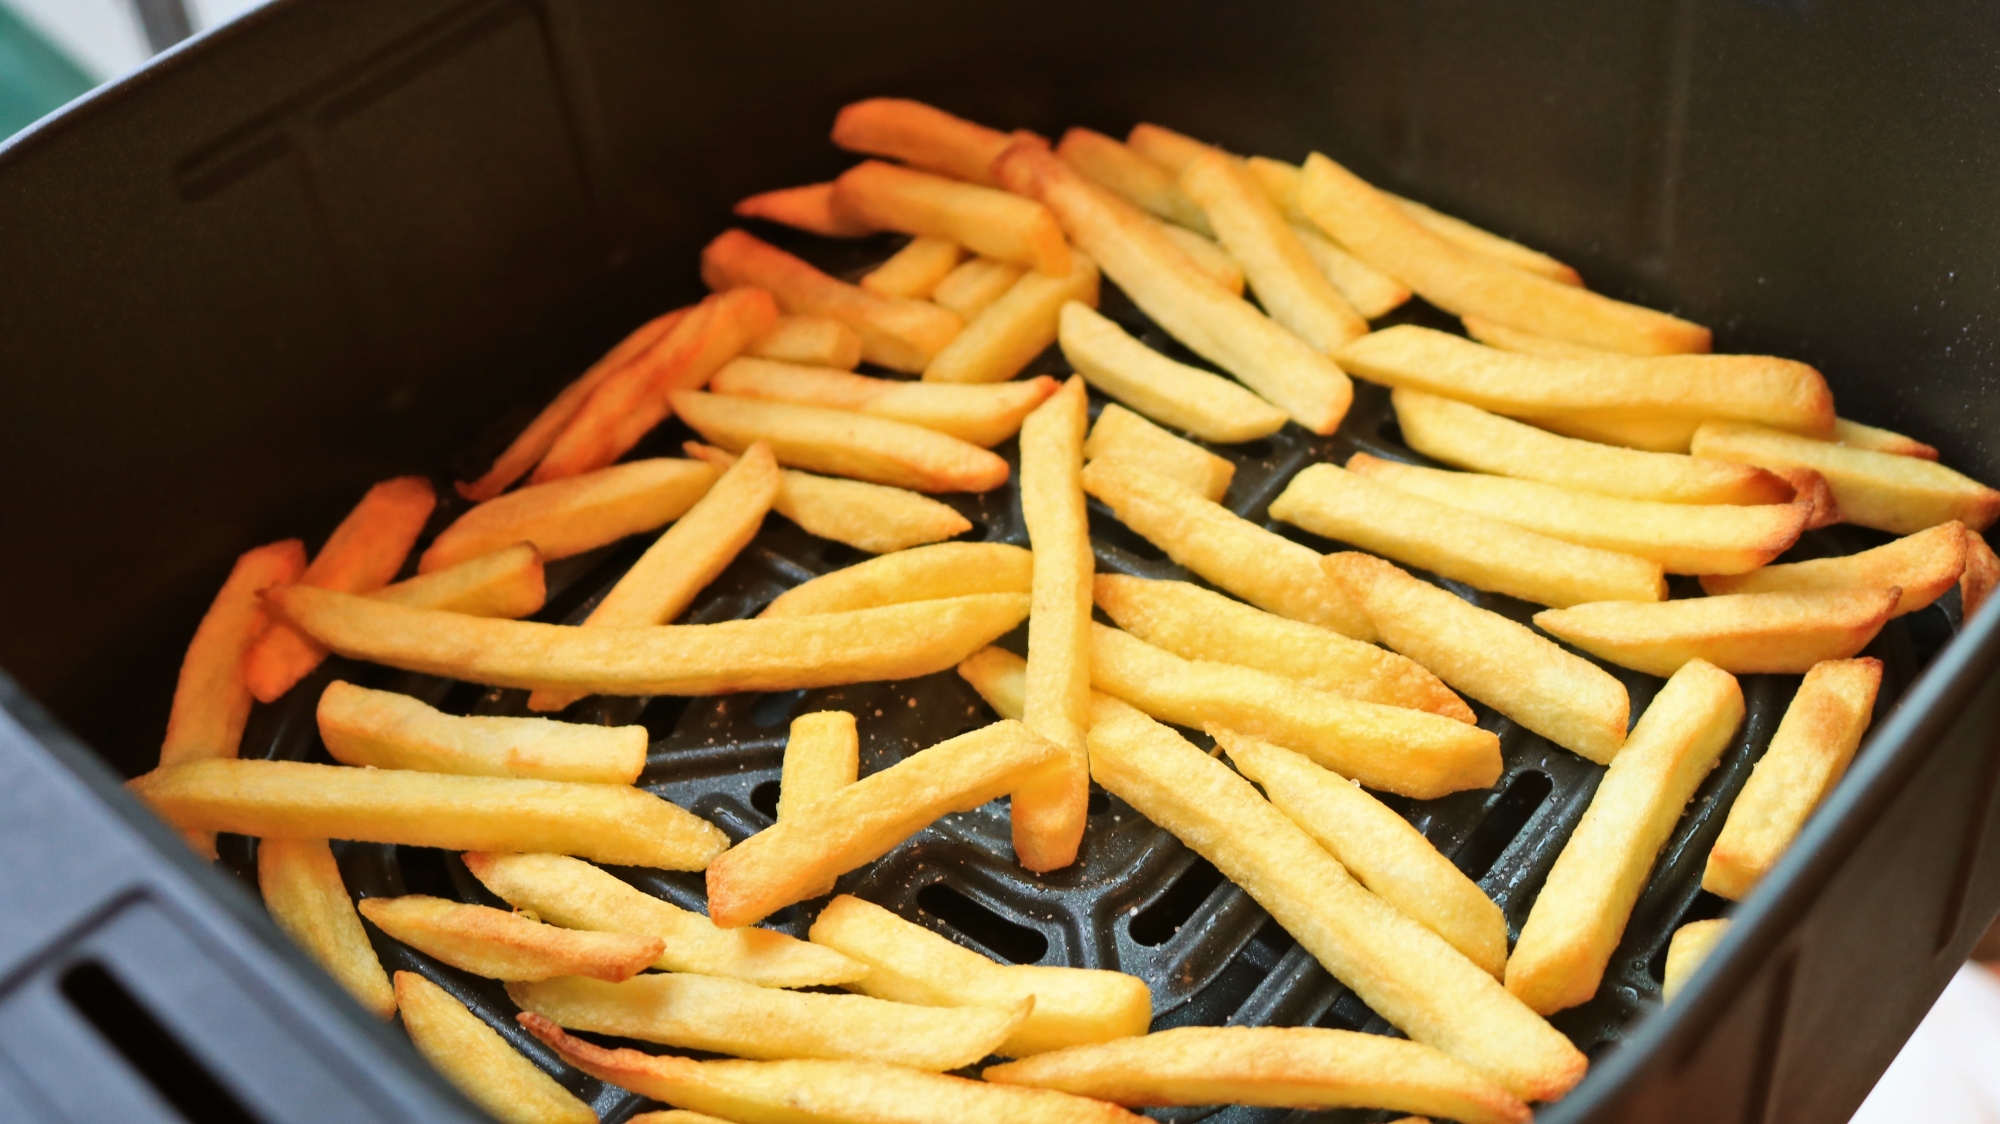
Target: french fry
682, 562
1384, 235
1982, 574
506, 583
799, 857
921, 574
306, 896
1808, 754
921, 136
473, 1057
1166, 284
893, 642
574, 894
1206, 256
1494, 334
1690, 945
1377, 846
1854, 435
1885, 491
568, 517
211, 699
1197, 624
1922, 565
1189, 399
1370, 291
822, 1091
1268, 570
908, 963
1742, 633
1403, 971
296, 800
675, 1116
844, 443
899, 334
1468, 437
1284, 1067
1170, 150
1681, 538
1280, 181
1484, 553
1580, 914
1143, 182
983, 415
822, 756
733, 1017
1810, 490
809, 207
812, 341
1118, 432
1566, 699
1001, 678
914, 270
507, 946
975, 285
384, 730
982, 219
867, 517
1011, 331
361, 555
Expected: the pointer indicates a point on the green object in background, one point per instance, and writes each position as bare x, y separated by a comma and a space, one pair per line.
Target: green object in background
34, 76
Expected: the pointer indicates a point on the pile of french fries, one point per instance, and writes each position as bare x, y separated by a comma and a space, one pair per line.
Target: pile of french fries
1589, 448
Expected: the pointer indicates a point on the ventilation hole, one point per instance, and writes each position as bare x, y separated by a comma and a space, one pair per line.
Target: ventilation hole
764, 798
1260, 449
1704, 907
133, 1031
1157, 923
839, 555
775, 709
1099, 802
662, 715
1011, 941
1504, 820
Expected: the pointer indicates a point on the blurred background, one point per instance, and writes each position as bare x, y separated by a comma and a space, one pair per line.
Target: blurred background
53, 50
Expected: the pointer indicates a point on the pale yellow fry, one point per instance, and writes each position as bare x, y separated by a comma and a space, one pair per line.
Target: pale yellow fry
1409, 752
1165, 147
572, 893
914, 270
473, 1057
910, 964
1565, 698
844, 443
507, 946
1742, 633
799, 857
1690, 945
815, 341
1189, 399
580, 513
303, 889
1001, 678
1268, 570
1376, 845
1208, 257
506, 583
1922, 565
211, 699
1120, 433
1403, 971
871, 517
1809, 753
1484, 243
1681, 538
822, 756
1484, 553
675, 1116
982, 414
972, 287
1857, 436
1371, 292
1581, 912
1885, 491
1144, 182
984, 220
1011, 331
732, 1017
920, 574
1982, 574
1494, 334
385, 730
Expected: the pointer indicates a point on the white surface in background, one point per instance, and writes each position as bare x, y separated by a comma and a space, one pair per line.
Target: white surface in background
104, 37
210, 13
1949, 1071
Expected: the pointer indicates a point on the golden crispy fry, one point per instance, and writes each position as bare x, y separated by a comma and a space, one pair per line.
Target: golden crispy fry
1885, 491
822, 756
733, 1017
1268, 570
571, 516
893, 642
813, 341
473, 1056
1810, 490
1377, 846
1280, 182
361, 556
1166, 284
1121, 433
1690, 946
982, 219
921, 136
799, 857
1014, 329
1922, 565
1409, 752
899, 334
507, 946
1982, 574
1566, 699
1001, 678
384, 730
822, 1091
1809, 753
675, 1116
983, 415
1143, 182
809, 208
572, 893
1742, 633
868, 517
1371, 292
1494, 334
910, 964
921, 574
1854, 435
295, 800
1482, 552
1469, 437
1170, 150
1189, 399
1581, 912
974, 285
844, 443
506, 583
303, 889
211, 700
1405, 972
1681, 538
1286, 1067
914, 270
1206, 256
1481, 243
1384, 235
